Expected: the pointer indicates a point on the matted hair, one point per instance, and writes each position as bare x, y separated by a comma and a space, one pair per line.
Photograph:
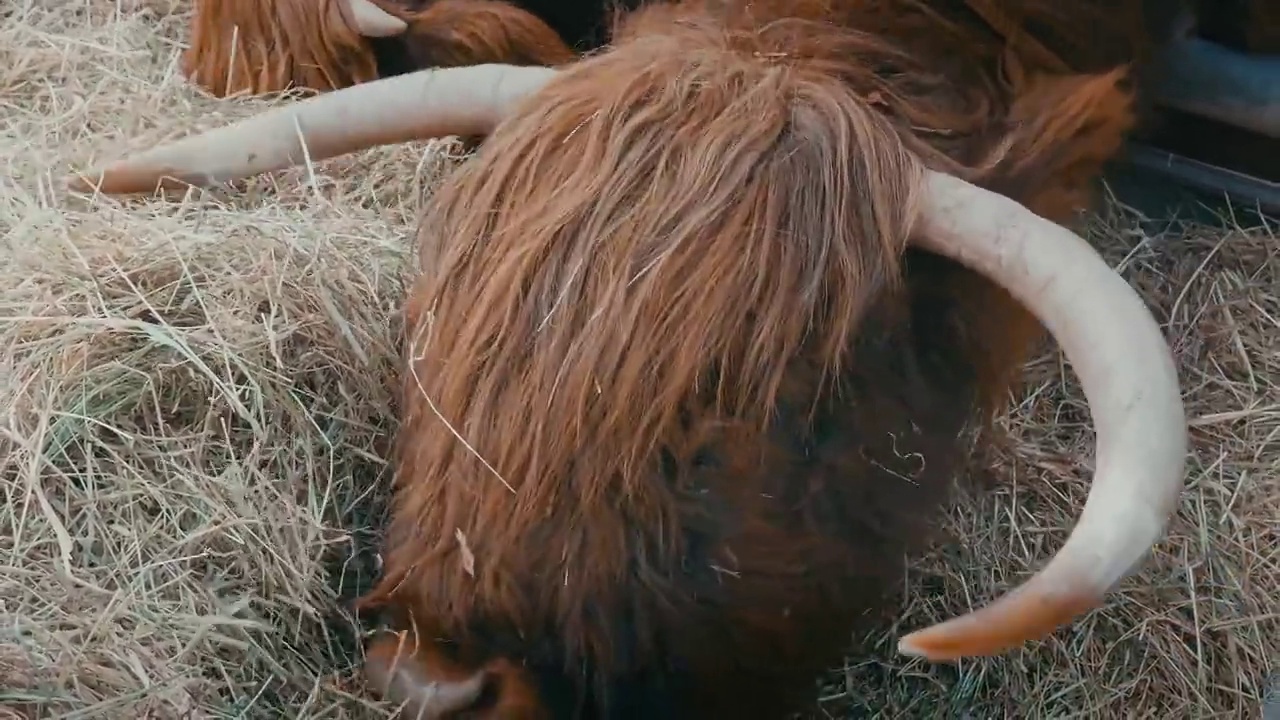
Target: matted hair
452, 33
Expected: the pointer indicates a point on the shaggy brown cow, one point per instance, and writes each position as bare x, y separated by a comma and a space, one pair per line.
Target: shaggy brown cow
697, 339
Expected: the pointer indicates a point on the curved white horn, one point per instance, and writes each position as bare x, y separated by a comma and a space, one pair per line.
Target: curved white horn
429, 103
1127, 373
370, 20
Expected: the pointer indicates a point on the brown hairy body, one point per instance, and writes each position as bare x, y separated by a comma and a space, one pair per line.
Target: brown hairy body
582, 25
452, 33
677, 401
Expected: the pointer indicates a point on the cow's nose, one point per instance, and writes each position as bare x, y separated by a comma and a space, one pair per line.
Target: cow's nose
418, 676
430, 686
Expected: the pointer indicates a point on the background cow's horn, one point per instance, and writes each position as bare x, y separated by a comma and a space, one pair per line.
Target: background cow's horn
416, 106
370, 20
1127, 373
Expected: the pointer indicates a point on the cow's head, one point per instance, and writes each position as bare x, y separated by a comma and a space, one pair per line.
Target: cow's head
1109, 337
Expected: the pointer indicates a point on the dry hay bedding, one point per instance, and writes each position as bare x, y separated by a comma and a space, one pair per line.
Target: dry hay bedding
198, 395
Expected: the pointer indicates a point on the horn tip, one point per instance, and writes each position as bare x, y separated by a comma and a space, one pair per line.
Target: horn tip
925, 644
128, 181
998, 628
79, 182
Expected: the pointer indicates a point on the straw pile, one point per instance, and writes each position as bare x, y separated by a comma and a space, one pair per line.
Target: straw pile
197, 398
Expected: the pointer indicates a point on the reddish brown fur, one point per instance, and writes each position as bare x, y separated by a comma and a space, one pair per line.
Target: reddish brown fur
675, 385
452, 33
271, 45
263, 46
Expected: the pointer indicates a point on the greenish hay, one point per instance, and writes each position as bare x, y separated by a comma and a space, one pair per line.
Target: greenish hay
198, 397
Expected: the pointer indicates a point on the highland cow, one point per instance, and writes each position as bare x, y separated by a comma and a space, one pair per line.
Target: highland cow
699, 342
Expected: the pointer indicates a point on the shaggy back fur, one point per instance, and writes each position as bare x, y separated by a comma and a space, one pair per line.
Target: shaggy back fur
452, 33
678, 400
582, 24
